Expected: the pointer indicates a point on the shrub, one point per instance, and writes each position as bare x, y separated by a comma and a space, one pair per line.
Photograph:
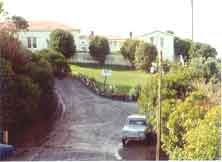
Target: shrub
58, 62
202, 142
6, 99
175, 85
186, 115
207, 69
62, 41
145, 55
128, 49
27, 86
99, 48
12, 50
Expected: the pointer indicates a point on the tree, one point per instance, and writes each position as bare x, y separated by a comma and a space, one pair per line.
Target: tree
205, 68
62, 41
145, 54
1, 7
202, 50
99, 48
170, 31
182, 47
20, 23
128, 49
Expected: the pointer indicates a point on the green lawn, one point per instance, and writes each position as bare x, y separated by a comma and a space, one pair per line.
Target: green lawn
123, 80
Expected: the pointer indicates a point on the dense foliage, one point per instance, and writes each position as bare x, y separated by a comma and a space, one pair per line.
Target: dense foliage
128, 49
190, 98
182, 47
99, 48
58, 62
202, 50
145, 54
190, 50
27, 86
20, 23
63, 42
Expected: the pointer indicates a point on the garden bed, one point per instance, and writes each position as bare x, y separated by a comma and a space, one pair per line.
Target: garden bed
105, 91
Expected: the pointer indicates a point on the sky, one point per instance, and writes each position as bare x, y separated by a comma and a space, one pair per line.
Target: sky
119, 17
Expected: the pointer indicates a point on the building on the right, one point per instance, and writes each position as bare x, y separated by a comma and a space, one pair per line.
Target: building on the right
163, 41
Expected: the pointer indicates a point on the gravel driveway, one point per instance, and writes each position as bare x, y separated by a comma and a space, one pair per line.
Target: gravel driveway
88, 129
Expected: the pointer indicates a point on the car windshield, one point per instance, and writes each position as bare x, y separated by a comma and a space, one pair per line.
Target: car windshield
137, 122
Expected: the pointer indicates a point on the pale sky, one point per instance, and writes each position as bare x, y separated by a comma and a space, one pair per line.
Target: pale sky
119, 17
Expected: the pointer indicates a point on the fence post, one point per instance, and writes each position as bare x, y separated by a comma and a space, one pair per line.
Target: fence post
5, 137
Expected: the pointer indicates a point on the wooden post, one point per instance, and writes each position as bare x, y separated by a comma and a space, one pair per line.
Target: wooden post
105, 83
5, 137
192, 18
158, 114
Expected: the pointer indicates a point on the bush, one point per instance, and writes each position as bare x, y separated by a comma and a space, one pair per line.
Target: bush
145, 55
62, 41
12, 50
128, 49
27, 86
207, 69
58, 62
6, 99
186, 115
202, 142
99, 48
175, 85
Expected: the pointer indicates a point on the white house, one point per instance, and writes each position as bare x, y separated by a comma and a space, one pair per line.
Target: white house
37, 36
163, 41
115, 43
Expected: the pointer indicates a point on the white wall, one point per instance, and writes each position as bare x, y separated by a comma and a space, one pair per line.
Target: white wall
41, 38
115, 45
168, 45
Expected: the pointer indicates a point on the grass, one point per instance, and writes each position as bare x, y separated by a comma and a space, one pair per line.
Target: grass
123, 80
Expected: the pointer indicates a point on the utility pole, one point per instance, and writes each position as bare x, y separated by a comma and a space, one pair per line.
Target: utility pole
158, 113
192, 20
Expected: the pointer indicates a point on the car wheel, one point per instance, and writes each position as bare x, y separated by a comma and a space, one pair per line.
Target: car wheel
124, 142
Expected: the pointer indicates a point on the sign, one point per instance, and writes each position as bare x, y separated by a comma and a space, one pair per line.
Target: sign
106, 72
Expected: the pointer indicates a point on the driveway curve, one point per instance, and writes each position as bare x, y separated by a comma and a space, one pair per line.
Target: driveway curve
88, 129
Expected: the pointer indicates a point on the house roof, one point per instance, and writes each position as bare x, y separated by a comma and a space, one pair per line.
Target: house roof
48, 26
7, 25
157, 31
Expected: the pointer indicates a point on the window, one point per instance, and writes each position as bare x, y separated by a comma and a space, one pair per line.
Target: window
162, 42
29, 42
137, 122
34, 43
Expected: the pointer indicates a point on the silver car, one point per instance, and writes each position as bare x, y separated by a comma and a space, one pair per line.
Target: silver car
135, 129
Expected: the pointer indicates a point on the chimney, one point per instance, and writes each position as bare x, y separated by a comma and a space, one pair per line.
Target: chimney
131, 35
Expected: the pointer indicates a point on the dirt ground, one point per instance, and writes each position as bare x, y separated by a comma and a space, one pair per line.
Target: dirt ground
89, 128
